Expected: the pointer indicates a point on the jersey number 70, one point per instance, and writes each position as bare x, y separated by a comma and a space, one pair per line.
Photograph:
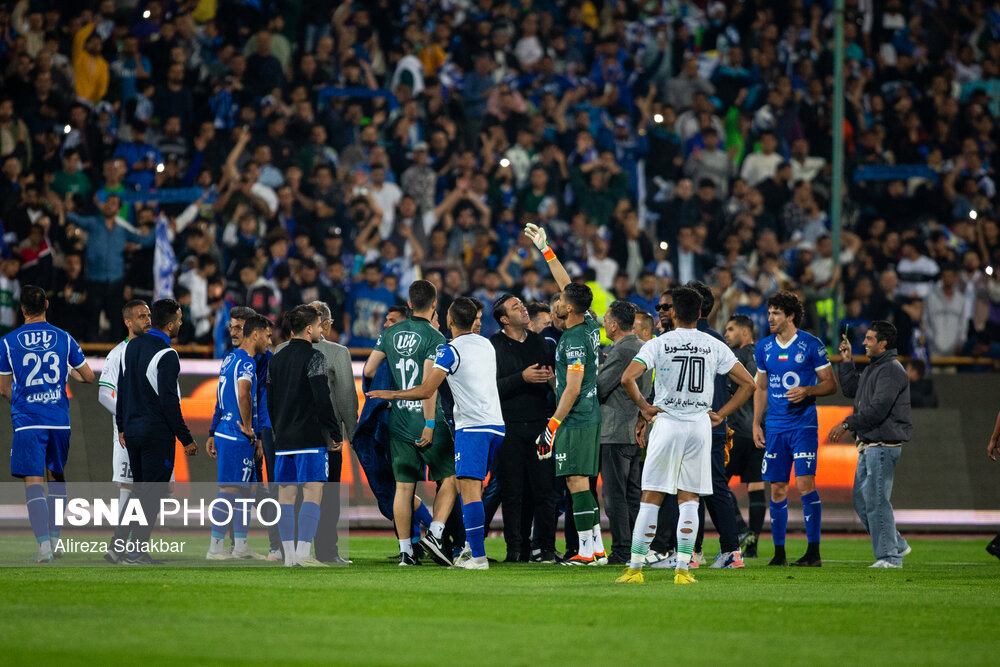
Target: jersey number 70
692, 369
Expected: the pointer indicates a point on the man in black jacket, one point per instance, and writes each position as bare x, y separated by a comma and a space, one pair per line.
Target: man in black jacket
149, 418
305, 429
881, 424
524, 367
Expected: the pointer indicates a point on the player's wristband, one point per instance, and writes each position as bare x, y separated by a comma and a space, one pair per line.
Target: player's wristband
554, 423
429, 423
548, 254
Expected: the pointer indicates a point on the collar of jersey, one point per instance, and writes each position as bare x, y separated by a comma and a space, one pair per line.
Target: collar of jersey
419, 319
162, 336
789, 344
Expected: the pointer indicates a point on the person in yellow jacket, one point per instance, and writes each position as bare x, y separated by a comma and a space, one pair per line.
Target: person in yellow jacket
89, 66
602, 301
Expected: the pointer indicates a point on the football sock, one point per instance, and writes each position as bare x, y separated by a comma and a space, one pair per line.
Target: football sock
406, 547
474, 518
220, 513
687, 531
241, 517
598, 538
437, 529
758, 507
38, 513
422, 515
779, 522
308, 521
643, 534
583, 521
56, 490
812, 512
286, 530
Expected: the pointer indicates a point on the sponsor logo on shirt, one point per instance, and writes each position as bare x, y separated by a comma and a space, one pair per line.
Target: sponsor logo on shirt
406, 343
37, 341
52, 396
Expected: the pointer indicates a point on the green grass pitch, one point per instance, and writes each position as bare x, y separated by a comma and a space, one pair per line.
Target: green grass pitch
941, 608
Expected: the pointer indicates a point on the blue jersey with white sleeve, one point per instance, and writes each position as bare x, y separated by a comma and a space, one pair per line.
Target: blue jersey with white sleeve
794, 364
39, 356
238, 366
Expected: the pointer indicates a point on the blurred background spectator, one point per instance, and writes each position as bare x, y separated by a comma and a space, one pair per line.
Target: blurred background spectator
271, 153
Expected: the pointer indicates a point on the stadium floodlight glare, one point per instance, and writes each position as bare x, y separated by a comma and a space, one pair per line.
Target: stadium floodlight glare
657, 117
973, 214
504, 162
67, 129
664, 245
160, 168
146, 14
989, 270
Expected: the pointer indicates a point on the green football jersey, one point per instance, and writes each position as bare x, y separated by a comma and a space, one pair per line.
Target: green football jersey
577, 349
406, 346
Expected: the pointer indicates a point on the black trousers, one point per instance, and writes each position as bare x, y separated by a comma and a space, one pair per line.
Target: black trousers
152, 462
329, 511
525, 479
271, 491
621, 471
109, 298
719, 504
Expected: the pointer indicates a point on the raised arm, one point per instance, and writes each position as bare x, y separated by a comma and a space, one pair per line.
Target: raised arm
426, 389
537, 236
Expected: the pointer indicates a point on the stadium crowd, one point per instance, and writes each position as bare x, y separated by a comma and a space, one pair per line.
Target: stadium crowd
273, 153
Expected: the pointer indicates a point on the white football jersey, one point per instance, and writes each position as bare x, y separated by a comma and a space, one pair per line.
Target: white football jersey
471, 364
686, 363
109, 378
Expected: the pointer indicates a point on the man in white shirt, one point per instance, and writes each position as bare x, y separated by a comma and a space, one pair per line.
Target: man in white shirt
678, 457
479, 425
757, 167
916, 271
386, 196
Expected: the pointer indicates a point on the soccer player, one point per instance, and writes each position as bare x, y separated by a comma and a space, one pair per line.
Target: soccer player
135, 313
679, 455
237, 316
418, 434
305, 428
35, 362
236, 443
792, 370
574, 430
745, 459
479, 425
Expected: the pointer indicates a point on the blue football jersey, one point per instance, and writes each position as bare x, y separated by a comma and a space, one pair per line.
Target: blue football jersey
39, 356
793, 365
236, 367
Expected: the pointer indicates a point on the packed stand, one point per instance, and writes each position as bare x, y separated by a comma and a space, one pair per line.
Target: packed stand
270, 154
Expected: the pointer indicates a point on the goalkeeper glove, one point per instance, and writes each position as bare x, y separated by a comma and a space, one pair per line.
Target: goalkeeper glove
537, 236
544, 441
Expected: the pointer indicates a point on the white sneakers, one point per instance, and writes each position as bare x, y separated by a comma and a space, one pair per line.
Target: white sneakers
472, 563
883, 564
